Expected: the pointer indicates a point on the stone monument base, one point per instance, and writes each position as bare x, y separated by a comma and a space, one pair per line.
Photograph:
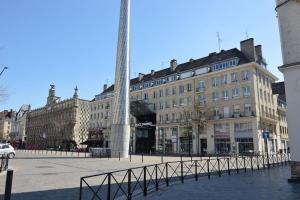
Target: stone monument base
295, 171
120, 134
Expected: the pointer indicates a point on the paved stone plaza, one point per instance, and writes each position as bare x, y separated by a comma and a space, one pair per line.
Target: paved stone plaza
40, 176
48, 176
269, 184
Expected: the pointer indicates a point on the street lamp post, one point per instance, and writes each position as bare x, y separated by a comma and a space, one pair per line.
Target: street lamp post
5, 68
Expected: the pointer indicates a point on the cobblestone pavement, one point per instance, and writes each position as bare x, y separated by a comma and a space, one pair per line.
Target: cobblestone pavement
258, 185
42, 175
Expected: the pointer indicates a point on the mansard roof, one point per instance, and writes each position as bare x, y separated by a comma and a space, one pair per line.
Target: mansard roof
193, 64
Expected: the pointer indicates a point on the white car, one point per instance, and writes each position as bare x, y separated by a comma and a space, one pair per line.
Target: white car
7, 149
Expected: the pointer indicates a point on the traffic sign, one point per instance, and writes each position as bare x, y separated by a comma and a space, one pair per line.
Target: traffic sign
266, 135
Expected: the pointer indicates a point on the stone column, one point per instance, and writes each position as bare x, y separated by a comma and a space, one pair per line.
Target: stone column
288, 17
120, 129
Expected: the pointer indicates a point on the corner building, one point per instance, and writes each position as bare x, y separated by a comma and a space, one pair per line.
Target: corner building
60, 124
217, 104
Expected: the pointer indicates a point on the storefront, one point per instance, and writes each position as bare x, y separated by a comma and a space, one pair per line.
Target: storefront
186, 140
222, 138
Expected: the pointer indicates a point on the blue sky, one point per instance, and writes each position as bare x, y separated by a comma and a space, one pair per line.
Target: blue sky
73, 42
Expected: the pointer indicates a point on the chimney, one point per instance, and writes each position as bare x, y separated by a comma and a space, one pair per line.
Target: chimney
258, 52
152, 72
247, 47
173, 64
141, 76
104, 87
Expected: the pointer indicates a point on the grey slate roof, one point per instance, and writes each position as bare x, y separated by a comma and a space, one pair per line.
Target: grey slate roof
204, 62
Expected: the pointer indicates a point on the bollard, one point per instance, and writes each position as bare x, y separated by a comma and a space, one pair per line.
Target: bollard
119, 156
8, 184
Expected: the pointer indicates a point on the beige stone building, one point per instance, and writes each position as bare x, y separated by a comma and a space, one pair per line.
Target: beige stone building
221, 103
6, 120
61, 123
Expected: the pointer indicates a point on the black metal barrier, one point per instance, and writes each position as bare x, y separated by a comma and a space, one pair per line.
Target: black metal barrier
129, 183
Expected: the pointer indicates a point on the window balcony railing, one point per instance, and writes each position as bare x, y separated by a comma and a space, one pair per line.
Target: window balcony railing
233, 115
200, 89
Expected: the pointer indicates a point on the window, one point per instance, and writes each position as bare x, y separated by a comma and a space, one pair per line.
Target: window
154, 106
189, 101
224, 79
201, 86
265, 95
161, 118
174, 103
161, 93
181, 101
216, 112
201, 99
167, 104
215, 96
234, 77
145, 96
167, 117
189, 87
261, 94
225, 94
235, 92
181, 89
161, 105
245, 75
173, 90
236, 109
167, 92
246, 91
214, 82
154, 95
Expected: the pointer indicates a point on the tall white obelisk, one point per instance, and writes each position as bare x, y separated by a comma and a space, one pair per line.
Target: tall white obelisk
289, 25
120, 129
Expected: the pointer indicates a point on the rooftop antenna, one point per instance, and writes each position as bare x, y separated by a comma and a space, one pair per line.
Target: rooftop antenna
219, 41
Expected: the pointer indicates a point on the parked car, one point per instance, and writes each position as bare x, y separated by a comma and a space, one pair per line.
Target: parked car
7, 149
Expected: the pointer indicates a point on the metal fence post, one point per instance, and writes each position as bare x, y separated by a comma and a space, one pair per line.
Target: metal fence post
257, 162
245, 167
167, 175
219, 170
80, 191
182, 178
130, 157
273, 160
268, 160
145, 181
142, 158
108, 185
251, 163
196, 170
129, 184
119, 156
8, 184
208, 172
237, 164
162, 158
228, 166
156, 178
